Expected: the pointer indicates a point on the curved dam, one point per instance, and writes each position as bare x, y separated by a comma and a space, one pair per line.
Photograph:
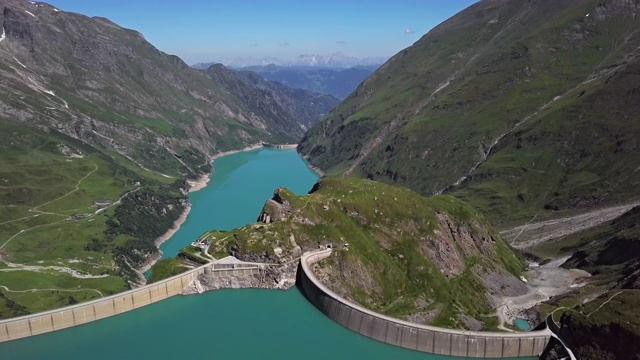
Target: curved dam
429, 339
392, 331
58, 319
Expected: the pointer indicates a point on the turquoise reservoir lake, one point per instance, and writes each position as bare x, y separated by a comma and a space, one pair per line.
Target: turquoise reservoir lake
240, 185
222, 324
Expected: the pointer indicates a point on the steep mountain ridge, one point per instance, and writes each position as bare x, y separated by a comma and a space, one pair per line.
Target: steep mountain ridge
271, 99
516, 108
93, 80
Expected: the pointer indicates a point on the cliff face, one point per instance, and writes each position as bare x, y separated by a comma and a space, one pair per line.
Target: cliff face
427, 260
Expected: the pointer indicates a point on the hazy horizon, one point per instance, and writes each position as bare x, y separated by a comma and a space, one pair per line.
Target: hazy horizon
201, 31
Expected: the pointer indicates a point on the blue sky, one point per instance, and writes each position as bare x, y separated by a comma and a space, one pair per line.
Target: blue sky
211, 30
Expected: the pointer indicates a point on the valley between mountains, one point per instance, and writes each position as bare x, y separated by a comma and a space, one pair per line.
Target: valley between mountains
488, 172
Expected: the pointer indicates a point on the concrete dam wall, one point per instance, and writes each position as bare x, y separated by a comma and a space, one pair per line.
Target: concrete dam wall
83, 313
423, 338
280, 146
363, 321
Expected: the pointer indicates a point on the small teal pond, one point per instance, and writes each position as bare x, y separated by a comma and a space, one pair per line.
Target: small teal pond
522, 324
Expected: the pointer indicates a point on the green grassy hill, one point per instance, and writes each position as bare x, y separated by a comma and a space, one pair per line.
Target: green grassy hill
428, 260
528, 111
519, 109
56, 246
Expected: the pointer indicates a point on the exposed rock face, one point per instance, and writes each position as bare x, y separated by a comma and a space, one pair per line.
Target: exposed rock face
501, 284
282, 278
275, 209
242, 254
451, 243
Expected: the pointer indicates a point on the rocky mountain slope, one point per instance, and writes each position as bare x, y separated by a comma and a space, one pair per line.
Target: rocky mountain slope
428, 260
519, 109
95, 81
270, 99
99, 132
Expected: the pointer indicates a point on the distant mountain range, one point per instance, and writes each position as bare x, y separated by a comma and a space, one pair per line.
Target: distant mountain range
335, 60
335, 82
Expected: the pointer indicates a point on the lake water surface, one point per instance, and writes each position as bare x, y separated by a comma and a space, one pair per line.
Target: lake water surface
222, 324
240, 185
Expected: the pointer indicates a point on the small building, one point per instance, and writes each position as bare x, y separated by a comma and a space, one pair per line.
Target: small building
102, 203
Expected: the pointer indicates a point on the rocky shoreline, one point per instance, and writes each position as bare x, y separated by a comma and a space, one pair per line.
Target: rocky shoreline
198, 184
225, 153
312, 167
203, 181
176, 226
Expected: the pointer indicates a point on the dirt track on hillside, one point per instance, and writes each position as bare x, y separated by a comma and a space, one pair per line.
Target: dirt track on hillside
534, 233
